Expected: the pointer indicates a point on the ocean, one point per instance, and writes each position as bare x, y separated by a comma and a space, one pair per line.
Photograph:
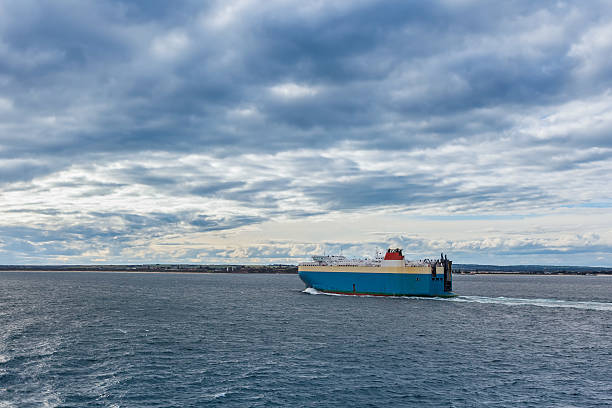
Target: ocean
72, 339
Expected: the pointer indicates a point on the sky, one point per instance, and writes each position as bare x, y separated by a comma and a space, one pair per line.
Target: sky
267, 132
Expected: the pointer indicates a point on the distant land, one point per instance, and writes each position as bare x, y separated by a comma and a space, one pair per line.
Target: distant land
292, 269
187, 268
532, 269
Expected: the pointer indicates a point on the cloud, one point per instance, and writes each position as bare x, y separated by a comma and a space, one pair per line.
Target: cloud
16, 170
170, 45
593, 44
291, 90
210, 189
229, 116
210, 224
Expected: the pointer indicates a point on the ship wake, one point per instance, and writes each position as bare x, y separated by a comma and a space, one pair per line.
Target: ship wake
313, 291
506, 301
556, 303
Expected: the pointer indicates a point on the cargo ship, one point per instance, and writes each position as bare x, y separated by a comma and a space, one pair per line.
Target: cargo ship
391, 275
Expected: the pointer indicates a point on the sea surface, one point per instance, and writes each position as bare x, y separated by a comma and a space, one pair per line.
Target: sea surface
72, 339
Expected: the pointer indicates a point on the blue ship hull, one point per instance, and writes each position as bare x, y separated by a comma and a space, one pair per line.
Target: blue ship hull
378, 284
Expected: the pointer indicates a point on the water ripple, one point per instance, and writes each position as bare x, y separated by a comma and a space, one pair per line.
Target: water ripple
137, 340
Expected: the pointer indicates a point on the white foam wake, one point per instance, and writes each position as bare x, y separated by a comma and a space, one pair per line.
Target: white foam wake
313, 291
572, 304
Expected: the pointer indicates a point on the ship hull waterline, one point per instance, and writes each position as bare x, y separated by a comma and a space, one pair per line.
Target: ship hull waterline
376, 284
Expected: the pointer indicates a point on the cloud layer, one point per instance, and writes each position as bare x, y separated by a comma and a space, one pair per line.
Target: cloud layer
219, 132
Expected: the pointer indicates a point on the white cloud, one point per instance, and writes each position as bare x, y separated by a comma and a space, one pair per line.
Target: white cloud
291, 90
593, 49
245, 112
170, 45
6, 104
576, 118
226, 13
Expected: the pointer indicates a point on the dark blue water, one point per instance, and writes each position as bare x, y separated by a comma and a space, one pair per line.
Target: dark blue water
179, 340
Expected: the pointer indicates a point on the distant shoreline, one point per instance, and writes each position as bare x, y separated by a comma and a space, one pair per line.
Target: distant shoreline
151, 272
242, 269
43, 270
533, 270
605, 273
